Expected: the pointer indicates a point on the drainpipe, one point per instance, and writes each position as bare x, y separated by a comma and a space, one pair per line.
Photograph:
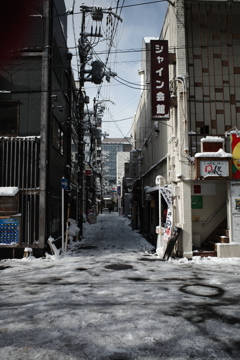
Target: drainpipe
44, 127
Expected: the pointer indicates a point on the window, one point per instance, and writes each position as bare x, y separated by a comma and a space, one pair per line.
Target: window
9, 114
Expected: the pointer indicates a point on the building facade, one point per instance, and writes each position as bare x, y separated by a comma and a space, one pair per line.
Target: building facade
111, 147
182, 151
37, 117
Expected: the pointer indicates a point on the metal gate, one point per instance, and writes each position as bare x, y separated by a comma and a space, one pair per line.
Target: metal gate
19, 167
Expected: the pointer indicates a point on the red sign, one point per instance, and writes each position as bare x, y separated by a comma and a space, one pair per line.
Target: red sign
160, 80
197, 189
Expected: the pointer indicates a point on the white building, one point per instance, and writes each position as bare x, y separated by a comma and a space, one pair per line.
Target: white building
199, 183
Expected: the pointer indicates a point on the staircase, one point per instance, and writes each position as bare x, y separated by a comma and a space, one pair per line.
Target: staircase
208, 246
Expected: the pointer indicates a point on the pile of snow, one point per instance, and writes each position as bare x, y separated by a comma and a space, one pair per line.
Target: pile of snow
73, 229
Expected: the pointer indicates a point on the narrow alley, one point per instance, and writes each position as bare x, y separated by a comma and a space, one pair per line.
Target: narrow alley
109, 298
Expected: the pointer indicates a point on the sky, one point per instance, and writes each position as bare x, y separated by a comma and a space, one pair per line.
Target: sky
143, 20
109, 298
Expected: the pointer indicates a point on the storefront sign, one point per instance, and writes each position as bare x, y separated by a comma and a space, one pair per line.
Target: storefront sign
160, 80
168, 225
214, 168
167, 195
235, 145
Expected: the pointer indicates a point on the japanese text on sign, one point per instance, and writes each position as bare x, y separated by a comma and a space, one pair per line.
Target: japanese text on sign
214, 168
160, 79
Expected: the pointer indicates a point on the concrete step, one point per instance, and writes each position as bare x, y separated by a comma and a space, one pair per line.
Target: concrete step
220, 239
205, 253
222, 231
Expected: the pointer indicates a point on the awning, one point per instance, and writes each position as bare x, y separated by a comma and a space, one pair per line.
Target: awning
165, 192
155, 188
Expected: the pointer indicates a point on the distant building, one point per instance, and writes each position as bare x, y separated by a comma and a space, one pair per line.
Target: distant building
122, 158
111, 147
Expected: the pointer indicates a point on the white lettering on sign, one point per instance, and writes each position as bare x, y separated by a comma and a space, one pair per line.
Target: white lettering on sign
158, 49
160, 79
160, 96
159, 86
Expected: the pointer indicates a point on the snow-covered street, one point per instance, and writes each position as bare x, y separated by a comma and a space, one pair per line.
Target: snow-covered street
107, 298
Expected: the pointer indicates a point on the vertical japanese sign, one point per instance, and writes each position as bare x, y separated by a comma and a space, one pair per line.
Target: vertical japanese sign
235, 145
160, 80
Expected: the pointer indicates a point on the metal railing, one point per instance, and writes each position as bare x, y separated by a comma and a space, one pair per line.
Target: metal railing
204, 223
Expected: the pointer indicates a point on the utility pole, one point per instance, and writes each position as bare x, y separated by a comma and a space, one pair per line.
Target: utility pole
95, 75
82, 55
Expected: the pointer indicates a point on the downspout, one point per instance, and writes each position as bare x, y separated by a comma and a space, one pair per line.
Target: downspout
44, 127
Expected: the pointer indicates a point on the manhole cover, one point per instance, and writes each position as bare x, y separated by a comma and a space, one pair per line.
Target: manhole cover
202, 290
118, 267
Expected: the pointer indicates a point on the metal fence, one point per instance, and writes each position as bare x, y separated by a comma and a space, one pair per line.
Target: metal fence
19, 167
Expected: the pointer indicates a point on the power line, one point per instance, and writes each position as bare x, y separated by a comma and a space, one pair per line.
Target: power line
117, 120
132, 87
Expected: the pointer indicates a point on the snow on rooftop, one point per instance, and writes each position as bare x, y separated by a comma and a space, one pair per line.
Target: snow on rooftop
8, 191
219, 153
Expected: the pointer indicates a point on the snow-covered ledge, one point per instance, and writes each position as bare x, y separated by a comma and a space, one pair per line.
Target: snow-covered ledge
219, 154
8, 191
